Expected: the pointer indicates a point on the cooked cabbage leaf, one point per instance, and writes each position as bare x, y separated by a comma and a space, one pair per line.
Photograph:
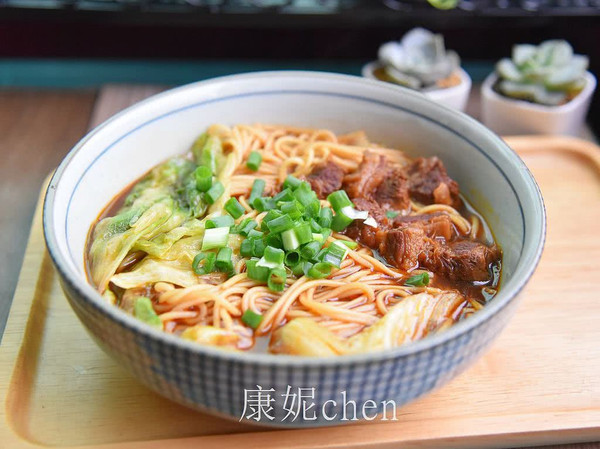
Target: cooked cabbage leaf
150, 271
110, 247
160, 217
409, 320
303, 336
210, 335
143, 311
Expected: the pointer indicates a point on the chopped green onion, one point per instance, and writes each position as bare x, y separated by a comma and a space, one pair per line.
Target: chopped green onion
246, 226
284, 195
258, 188
418, 280
215, 238
335, 254
256, 272
306, 266
348, 243
370, 221
251, 319
224, 221
292, 258
276, 279
316, 227
234, 208
325, 217
293, 209
291, 182
326, 234
264, 203
318, 237
332, 259
352, 213
258, 247
340, 222
280, 224
203, 178
319, 270
305, 195
392, 213
274, 240
246, 248
297, 270
273, 258
321, 254
254, 234
207, 267
254, 160
271, 215
313, 208
223, 261
215, 192
310, 250
290, 240
338, 200
303, 233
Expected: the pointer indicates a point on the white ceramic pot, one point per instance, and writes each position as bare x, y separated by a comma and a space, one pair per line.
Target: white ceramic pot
455, 97
510, 117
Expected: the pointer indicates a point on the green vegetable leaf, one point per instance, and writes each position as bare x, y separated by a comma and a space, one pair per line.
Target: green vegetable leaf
443, 4
143, 311
418, 280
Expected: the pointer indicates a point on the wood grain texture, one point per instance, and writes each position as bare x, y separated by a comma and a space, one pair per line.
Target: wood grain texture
37, 129
538, 385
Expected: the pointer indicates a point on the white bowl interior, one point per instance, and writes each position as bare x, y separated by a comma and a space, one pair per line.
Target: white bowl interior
490, 175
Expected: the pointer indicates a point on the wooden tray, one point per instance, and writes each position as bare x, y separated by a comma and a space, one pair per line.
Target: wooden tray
539, 384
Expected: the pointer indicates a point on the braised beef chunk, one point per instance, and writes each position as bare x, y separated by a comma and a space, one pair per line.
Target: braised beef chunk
374, 209
392, 192
434, 225
405, 247
429, 241
379, 181
368, 176
429, 183
367, 235
325, 179
465, 260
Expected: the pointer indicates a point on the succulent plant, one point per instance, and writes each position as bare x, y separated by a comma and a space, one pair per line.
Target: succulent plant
548, 74
418, 60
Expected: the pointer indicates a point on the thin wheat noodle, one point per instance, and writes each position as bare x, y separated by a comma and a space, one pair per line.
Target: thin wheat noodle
355, 295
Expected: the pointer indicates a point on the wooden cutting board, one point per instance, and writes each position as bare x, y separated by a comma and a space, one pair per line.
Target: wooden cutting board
539, 384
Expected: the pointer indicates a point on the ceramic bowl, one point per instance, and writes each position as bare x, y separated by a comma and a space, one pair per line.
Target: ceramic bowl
511, 117
117, 152
455, 97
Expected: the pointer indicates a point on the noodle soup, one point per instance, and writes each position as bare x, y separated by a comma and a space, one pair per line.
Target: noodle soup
318, 244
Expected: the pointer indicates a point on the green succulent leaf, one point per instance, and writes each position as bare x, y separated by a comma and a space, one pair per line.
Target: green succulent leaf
547, 74
443, 4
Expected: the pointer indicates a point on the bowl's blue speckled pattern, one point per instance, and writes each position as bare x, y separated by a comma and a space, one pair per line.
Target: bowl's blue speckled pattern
209, 383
